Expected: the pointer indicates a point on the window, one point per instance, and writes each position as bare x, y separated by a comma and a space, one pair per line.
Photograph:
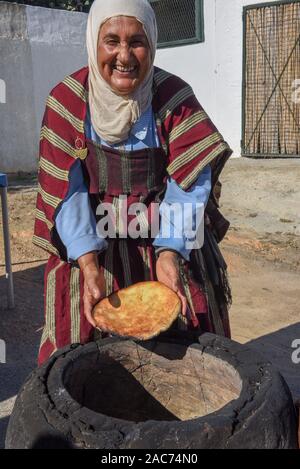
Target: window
179, 22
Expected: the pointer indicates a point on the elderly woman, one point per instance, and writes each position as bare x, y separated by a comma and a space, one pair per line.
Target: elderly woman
117, 133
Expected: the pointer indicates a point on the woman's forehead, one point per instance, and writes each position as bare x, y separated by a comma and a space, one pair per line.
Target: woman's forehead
119, 24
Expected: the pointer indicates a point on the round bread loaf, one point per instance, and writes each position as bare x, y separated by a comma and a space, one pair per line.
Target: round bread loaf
141, 311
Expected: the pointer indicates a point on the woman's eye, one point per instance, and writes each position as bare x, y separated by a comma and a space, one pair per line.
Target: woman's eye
137, 44
112, 43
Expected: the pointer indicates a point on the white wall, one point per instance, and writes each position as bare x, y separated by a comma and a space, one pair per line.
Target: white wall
57, 46
38, 48
214, 68
196, 63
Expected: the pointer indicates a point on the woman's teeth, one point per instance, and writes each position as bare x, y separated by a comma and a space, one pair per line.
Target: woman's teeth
124, 69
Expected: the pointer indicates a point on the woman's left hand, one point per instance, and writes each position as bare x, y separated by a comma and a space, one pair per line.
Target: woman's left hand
167, 272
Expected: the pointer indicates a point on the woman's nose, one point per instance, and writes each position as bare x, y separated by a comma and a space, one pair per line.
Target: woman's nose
124, 53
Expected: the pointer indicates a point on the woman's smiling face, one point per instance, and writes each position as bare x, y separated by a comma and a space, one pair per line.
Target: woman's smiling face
124, 56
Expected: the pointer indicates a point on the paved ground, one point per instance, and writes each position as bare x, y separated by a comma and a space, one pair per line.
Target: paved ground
261, 198
20, 330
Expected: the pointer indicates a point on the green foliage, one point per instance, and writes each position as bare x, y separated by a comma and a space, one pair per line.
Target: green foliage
71, 5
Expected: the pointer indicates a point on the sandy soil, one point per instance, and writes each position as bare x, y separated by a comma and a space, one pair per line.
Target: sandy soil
262, 200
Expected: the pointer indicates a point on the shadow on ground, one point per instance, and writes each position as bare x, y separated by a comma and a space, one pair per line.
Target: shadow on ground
3, 427
20, 329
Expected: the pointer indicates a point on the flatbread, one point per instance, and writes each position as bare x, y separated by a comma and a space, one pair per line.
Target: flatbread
141, 311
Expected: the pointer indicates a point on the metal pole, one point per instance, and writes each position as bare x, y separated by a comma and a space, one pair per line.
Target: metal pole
8, 267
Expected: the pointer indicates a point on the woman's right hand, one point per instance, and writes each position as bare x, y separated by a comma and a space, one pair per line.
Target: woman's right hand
94, 283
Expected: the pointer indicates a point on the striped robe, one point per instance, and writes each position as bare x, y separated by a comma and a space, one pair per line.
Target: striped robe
190, 141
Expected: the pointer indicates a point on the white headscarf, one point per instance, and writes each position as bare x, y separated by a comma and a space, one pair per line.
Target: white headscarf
113, 115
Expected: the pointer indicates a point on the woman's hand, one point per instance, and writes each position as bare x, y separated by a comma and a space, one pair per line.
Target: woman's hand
94, 284
167, 272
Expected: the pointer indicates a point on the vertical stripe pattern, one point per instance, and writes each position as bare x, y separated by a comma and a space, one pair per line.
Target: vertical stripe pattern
151, 170
75, 304
109, 267
146, 262
124, 254
102, 169
126, 176
49, 329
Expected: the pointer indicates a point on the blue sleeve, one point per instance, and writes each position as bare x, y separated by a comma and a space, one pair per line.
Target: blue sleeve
75, 221
182, 216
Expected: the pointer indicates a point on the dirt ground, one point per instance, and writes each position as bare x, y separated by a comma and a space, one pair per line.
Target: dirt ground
261, 198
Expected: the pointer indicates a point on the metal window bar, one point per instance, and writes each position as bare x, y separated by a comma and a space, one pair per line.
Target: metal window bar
179, 22
5, 223
271, 118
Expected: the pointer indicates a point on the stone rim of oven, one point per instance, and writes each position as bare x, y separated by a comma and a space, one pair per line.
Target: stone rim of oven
262, 417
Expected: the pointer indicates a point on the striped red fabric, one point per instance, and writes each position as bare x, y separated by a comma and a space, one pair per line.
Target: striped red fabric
186, 133
190, 142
